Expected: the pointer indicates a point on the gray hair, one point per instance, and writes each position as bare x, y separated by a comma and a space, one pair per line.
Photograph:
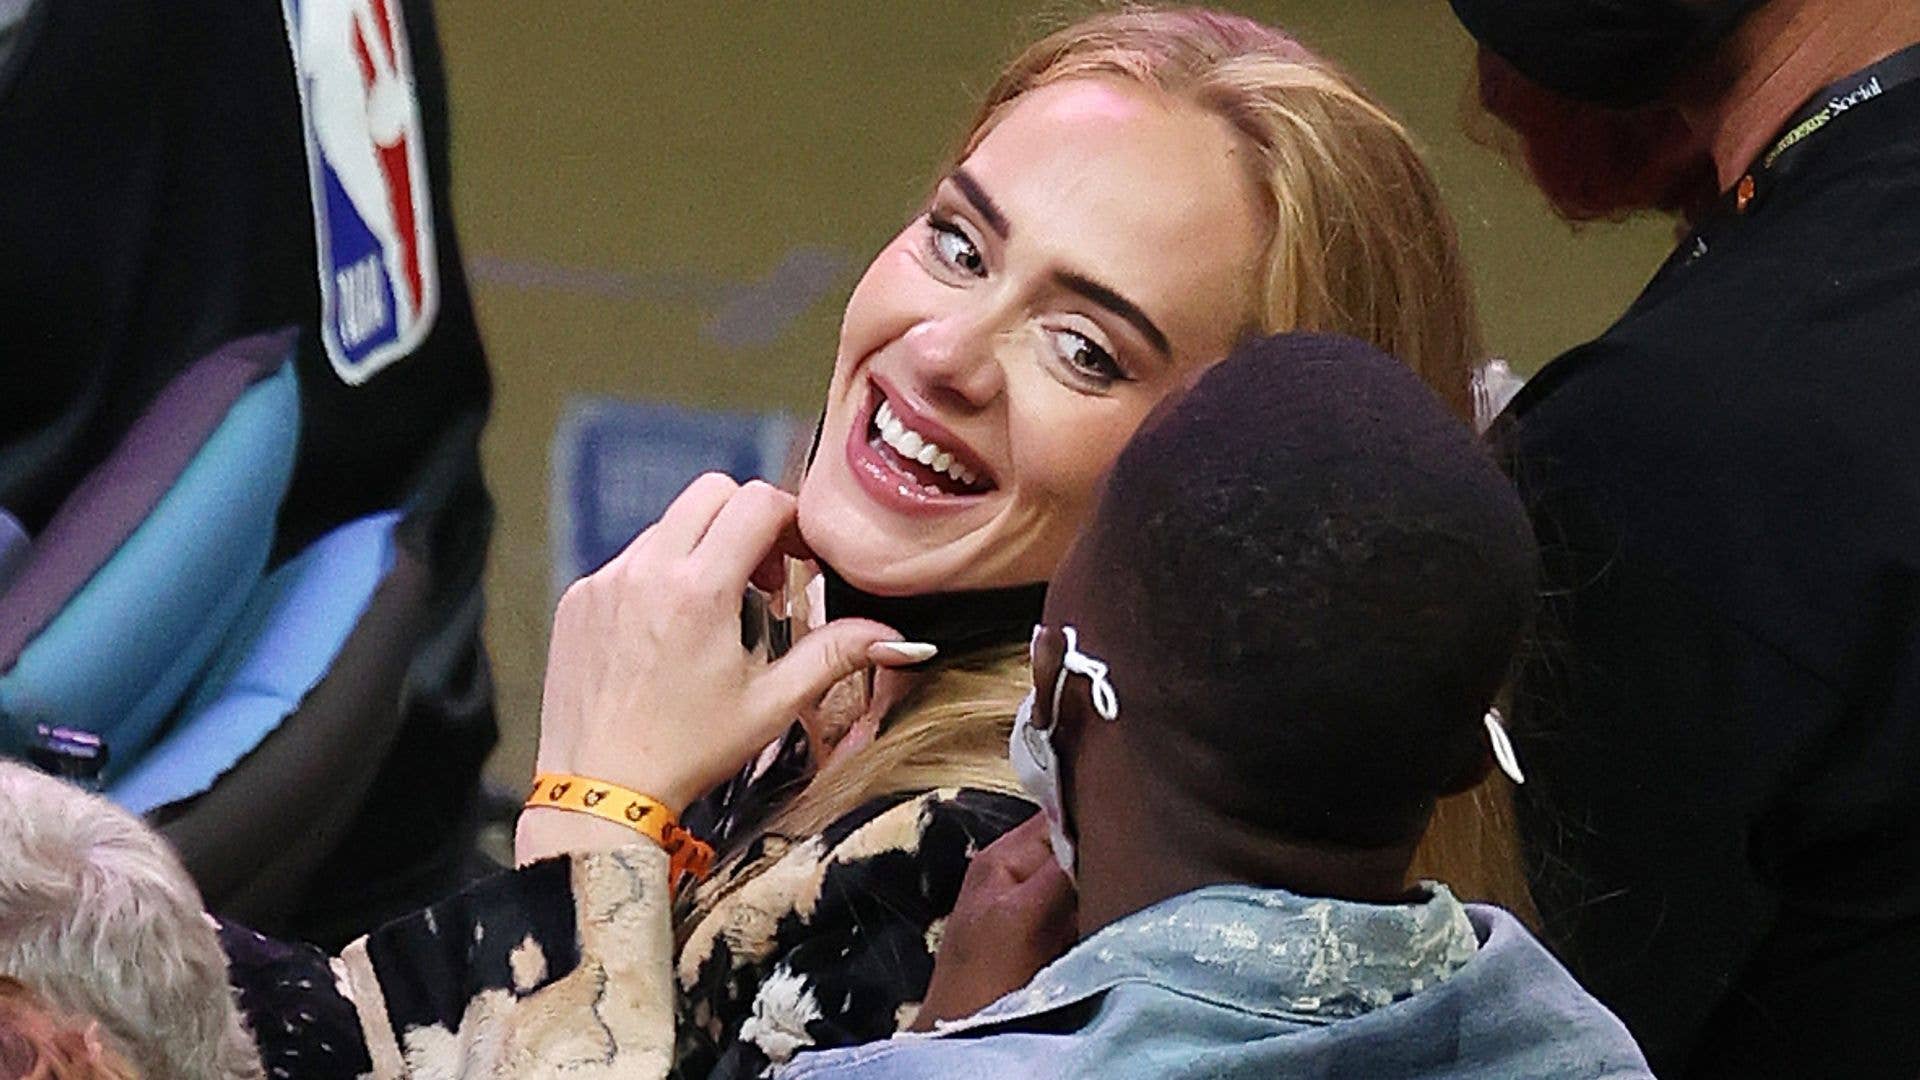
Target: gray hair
98, 916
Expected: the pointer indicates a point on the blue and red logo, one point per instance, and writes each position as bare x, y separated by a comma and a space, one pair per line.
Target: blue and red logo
367, 162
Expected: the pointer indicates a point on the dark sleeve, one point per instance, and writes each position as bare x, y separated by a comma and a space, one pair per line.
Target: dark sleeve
1720, 820
300, 1003
566, 962
432, 964
855, 969
300, 1021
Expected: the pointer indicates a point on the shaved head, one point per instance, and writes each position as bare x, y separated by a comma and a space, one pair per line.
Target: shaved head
1309, 579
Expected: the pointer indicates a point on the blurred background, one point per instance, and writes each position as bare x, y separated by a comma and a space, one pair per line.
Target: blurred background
669, 201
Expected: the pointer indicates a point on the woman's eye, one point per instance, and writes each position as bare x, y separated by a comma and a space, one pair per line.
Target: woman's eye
1087, 359
954, 249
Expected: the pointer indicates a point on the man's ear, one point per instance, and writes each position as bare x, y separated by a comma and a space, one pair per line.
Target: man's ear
1070, 730
1049, 653
1076, 707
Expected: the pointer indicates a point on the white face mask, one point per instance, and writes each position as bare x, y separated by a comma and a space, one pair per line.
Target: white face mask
1031, 749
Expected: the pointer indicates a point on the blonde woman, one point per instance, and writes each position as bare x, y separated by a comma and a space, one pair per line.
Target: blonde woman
1137, 193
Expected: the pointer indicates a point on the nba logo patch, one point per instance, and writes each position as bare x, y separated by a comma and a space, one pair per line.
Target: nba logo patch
367, 166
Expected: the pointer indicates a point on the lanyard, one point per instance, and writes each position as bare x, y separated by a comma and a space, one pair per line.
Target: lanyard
1856, 91
1851, 94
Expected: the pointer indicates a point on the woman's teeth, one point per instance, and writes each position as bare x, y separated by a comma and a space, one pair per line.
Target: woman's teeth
915, 447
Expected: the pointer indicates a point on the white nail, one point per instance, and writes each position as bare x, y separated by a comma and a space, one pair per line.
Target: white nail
905, 652
817, 602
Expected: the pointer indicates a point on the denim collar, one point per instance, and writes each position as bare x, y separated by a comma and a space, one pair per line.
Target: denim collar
1265, 951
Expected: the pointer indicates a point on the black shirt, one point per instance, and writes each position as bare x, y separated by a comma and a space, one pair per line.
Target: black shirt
157, 203
1721, 729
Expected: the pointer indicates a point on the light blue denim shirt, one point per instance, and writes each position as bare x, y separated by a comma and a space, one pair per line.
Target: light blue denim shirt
1233, 981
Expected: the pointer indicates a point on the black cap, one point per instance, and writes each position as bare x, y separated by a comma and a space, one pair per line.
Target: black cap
1619, 53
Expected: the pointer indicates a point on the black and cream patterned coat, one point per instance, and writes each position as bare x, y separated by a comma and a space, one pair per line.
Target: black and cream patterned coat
569, 967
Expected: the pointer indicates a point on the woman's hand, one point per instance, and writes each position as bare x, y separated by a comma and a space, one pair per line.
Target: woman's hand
647, 684
1014, 916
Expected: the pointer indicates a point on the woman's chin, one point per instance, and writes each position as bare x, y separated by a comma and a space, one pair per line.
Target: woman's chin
871, 560
882, 569
894, 555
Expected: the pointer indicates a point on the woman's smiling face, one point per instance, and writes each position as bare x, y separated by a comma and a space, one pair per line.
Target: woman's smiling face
1099, 246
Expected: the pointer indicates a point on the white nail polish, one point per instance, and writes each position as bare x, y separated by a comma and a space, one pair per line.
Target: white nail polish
911, 652
817, 602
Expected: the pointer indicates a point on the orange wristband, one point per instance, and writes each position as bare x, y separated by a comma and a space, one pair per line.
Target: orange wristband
686, 853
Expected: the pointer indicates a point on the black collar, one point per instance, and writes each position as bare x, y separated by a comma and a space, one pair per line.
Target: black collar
958, 622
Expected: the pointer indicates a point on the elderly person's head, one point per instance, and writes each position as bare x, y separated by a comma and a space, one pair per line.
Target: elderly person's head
98, 917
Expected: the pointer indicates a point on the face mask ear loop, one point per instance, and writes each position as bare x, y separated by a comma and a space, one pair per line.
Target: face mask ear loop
1105, 701
1503, 752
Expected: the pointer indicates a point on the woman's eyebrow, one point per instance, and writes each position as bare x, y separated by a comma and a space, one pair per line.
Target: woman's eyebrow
983, 203
1119, 305
996, 220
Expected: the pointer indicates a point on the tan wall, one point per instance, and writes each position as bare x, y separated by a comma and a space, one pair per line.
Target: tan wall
625, 171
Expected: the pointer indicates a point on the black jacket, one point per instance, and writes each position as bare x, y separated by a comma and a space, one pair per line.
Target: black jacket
1721, 728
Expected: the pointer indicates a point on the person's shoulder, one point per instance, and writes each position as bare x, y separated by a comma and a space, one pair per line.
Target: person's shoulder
1807, 311
1592, 378
901, 859
1876, 143
902, 855
915, 1057
847, 921
1685, 351
292, 1006
982, 812
1532, 1016
953, 821
1644, 405
1606, 412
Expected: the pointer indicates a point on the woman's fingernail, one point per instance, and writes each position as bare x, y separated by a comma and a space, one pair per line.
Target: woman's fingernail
901, 652
816, 602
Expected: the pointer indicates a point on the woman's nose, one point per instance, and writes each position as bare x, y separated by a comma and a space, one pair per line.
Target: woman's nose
958, 358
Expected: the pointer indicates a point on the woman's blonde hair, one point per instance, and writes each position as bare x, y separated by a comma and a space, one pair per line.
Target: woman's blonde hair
1358, 242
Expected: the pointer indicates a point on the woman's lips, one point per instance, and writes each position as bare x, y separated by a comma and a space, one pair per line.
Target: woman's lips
901, 468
